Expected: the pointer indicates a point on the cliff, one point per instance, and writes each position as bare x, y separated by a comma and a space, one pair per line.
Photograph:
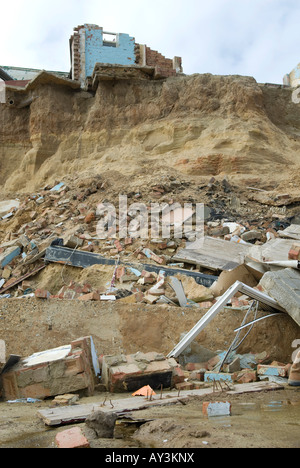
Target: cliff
196, 126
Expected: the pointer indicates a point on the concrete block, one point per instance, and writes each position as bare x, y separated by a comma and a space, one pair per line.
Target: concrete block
233, 366
211, 376
73, 242
284, 287
216, 408
278, 371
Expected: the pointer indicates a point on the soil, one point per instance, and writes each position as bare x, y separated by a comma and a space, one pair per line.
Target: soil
260, 420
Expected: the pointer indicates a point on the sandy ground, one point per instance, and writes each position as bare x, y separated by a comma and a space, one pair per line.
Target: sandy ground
261, 420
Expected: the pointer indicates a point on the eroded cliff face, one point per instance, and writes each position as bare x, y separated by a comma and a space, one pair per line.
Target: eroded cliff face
198, 126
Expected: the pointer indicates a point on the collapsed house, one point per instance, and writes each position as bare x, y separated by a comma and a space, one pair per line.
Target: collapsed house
97, 54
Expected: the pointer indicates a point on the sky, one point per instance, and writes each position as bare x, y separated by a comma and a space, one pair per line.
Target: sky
258, 38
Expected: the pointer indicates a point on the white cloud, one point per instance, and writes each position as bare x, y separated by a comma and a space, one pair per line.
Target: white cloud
247, 37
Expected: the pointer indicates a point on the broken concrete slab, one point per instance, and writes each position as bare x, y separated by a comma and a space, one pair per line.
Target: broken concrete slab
292, 232
102, 424
284, 287
273, 250
214, 254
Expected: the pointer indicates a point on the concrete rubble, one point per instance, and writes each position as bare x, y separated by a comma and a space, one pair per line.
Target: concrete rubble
265, 256
55, 230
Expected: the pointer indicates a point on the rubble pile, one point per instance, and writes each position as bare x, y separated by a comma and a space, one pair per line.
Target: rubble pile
58, 226
64, 216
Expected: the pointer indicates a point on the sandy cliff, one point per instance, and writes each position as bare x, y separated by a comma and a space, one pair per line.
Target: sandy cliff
195, 126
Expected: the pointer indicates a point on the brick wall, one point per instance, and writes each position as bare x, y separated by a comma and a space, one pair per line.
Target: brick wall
76, 54
164, 65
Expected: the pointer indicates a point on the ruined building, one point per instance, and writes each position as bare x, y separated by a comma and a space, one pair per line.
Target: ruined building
105, 55
95, 55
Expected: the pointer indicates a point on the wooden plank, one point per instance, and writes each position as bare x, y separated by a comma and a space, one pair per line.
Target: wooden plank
78, 413
255, 387
22, 278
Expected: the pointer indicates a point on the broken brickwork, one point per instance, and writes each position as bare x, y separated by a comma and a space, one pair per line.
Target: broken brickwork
54, 372
90, 45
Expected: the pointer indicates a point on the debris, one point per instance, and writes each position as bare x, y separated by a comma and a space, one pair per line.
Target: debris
214, 254
79, 413
294, 374
291, 232
216, 408
8, 255
7, 206
146, 391
102, 424
284, 287
273, 369
262, 298
66, 399
80, 259
126, 373
25, 400
71, 438
52, 372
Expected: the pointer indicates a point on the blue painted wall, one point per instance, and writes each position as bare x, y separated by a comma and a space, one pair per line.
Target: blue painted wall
97, 52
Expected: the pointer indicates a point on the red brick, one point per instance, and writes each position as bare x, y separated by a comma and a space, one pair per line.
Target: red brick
72, 438
178, 375
42, 293
196, 375
118, 246
184, 386
294, 253
93, 296
245, 376
89, 218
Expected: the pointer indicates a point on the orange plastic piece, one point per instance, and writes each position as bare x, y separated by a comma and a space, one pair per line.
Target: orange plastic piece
146, 391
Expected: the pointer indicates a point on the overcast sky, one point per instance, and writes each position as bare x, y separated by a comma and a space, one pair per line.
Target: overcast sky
258, 38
